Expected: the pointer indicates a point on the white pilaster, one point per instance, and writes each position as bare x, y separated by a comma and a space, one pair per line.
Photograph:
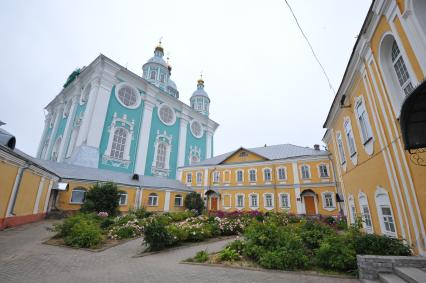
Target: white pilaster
14, 192
299, 206
39, 192
67, 131
144, 137
206, 177
52, 140
182, 141
167, 201
88, 112
209, 143
46, 201
43, 136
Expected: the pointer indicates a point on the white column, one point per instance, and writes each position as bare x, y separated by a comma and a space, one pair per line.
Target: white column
43, 136
209, 143
46, 201
67, 131
98, 116
39, 192
54, 130
144, 137
299, 205
13, 195
88, 112
182, 141
167, 201
141, 198
206, 177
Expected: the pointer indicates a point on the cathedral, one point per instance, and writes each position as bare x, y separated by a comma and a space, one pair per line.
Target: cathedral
111, 118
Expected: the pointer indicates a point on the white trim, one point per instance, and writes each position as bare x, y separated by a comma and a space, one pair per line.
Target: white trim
39, 193
19, 175
78, 189
236, 201
347, 126
333, 196
181, 200
182, 141
225, 172
315, 201
144, 138
167, 201
173, 121
288, 200
126, 200
309, 171
250, 203
368, 144
327, 168
46, 201
285, 173
154, 197
201, 127
198, 173
384, 201
242, 176
121, 85
352, 209
209, 142
189, 178
363, 201
272, 201
226, 207
255, 174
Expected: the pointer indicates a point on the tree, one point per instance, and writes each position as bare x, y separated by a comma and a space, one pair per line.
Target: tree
102, 197
194, 201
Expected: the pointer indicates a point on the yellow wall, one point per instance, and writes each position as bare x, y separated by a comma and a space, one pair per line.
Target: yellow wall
250, 157
27, 194
7, 179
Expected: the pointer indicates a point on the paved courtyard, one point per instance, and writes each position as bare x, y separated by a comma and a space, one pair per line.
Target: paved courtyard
23, 258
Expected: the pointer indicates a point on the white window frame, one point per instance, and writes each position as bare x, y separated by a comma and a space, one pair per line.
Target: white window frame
320, 171
242, 176
364, 125
255, 175
285, 173
173, 121
352, 209
281, 201
265, 195
120, 203
189, 178
78, 189
363, 202
54, 156
257, 201
178, 196
201, 127
153, 199
236, 201
162, 138
383, 201
216, 177
119, 86
341, 149
324, 200
349, 136
199, 178
120, 122
270, 175
309, 172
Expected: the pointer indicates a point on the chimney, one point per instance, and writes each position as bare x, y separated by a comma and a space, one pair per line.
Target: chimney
316, 147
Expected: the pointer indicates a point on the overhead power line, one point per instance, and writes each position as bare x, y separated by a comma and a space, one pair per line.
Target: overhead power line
310, 46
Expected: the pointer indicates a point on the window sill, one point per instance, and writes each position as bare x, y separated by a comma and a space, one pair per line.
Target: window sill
285, 207
152, 205
252, 184
76, 202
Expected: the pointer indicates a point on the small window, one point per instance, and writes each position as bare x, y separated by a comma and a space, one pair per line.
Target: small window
153, 199
162, 78
281, 174
388, 219
340, 148
305, 172
350, 138
153, 75
253, 201
226, 176
239, 176
199, 178
400, 69
267, 175
364, 122
166, 114
127, 96
240, 201
243, 154
268, 201
118, 143
78, 196
366, 217
252, 175
189, 178
323, 171
178, 200
285, 201
123, 198
216, 176
328, 200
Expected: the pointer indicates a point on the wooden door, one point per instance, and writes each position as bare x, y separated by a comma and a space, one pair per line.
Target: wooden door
213, 204
309, 205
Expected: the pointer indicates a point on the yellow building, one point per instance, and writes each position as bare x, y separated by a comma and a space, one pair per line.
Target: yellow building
286, 177
380, 180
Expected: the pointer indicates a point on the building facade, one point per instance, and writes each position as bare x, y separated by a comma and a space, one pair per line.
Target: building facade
380, 180
108, 117
286, 177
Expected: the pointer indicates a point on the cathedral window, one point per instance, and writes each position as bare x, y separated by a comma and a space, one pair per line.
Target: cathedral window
166, 115
161, 156
128, 96
162, 77
401, 69
161, 160
196, 129
55, 150
118, 143
153, 75
85, 95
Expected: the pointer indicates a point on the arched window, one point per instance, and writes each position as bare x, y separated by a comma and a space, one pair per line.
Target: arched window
161, 156
153, 199
365, 213
400, 68
55, 150
78, 195
340, 148
305, 172
123, 198
350, 137
323, 170
352, 209
119, 143
153, 75
178, 200
384, 210
363, 121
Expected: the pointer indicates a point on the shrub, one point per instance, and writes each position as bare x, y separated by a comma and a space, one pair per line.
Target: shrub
140, 213
337, 253
156, 235
284, 259
341, 224
84, 234
193, 201
182, 215
102, 197
64, 229
228, 254
121, 220
237, 245
313, 232
201, 256
372, 244
106, 223
278, 218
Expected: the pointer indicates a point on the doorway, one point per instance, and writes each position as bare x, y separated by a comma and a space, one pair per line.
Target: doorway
309, 205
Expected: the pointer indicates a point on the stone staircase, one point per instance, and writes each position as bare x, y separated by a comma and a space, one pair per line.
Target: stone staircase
391, 269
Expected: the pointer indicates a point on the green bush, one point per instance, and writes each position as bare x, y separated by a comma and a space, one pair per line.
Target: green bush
102, 197
201, 256
140, 213
193, 201
371, 244
84, 234
106, 223
284, 259
121, 220
237, 245
313, 232
228, 254
64, 229
342, 224
156, 235
337, 253
181, 215
125, 232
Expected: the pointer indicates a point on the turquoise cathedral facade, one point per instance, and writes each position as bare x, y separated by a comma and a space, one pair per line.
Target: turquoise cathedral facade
109, 117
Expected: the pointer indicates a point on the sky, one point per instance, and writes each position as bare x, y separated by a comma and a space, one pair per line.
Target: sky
263, 81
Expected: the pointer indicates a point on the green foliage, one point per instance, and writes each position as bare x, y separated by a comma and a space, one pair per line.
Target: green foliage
140, 213
342, 224
287, 259
84, 234
201, 256
337, 252
181, 215
278, 218
228, 254
193, 201
106, 223
371, 244
64, 229
156, 235
313, 232
102, 197
121, 220
125, 232
237, 245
